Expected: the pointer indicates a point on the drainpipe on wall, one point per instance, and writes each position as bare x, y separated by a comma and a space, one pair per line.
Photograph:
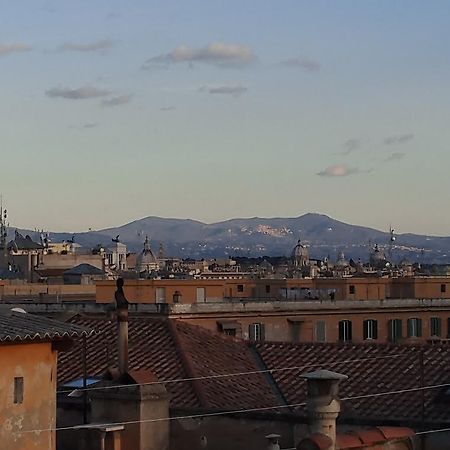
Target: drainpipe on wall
323, 403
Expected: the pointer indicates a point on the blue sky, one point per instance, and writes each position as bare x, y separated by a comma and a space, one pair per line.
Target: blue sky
211, 110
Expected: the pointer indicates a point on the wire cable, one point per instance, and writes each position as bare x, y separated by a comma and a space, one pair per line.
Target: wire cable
236, 411
226, 375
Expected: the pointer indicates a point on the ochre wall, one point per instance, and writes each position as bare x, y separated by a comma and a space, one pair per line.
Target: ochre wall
36, 363
280, 326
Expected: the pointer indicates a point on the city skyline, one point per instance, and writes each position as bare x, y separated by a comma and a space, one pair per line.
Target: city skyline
115, 112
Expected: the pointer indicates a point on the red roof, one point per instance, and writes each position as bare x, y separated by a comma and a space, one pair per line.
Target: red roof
174, 350
371, 369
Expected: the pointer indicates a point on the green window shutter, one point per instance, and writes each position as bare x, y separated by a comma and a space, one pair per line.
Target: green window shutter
419, 327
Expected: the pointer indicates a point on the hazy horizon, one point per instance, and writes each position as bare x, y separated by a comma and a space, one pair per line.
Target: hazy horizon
386, 229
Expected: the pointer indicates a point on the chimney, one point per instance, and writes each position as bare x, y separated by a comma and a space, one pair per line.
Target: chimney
272, 440
122, 323
323, 402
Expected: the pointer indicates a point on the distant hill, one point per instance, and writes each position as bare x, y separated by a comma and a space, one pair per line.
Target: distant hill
261, 236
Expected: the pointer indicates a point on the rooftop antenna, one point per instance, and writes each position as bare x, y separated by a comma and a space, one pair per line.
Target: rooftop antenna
3, 227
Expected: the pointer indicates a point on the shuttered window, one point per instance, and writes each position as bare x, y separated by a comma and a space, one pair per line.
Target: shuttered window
414, 327
256, 332
435, 327
345, 330
321, 331
395, 330
370, 329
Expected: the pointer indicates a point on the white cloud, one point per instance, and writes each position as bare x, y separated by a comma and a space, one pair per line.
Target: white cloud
302, 63
234, 90
340, 170
103, 44
398, 139
217, 53
117, 101
81, 93
6, 49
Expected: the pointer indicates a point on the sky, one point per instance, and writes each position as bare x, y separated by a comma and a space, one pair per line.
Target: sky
113, 111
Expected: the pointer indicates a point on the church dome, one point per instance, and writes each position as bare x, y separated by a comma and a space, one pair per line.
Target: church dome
146, 260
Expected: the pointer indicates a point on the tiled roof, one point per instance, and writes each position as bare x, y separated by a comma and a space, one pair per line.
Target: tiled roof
84, 269
173, 351
20, 326
369, 372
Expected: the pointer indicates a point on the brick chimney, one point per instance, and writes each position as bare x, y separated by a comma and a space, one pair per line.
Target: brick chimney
323, 403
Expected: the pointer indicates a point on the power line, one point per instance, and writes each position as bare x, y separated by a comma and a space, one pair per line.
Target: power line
440, 430
226, 375
241, 411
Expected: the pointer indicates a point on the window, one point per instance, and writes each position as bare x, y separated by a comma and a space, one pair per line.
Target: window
321, 331
267, 288
18, 390
176, 298
351, 289
240, 288
160, 295
435, 327
256, 332
414, 327
230, 331
395, 330
370, 329
295, 331
443, 288
201, 295
345, 330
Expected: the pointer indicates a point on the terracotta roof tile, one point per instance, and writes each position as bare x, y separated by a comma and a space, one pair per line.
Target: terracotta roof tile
175, 350
368, 373
151, 347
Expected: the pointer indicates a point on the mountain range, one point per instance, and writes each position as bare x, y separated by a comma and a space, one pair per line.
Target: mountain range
256, 236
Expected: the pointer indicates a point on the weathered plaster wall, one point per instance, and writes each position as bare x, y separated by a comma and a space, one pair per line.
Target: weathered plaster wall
36, 363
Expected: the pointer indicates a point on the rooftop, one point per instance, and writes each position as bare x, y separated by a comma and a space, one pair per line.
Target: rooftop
203, 370
16, 326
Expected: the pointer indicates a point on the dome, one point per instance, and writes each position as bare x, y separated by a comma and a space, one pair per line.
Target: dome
146, 260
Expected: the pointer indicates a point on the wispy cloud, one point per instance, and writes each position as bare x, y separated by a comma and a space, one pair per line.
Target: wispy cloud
96, 46
217, 53
167, 108
85, 126
395, 156
117, 101
398, 139
233, 90
307, 64
350, 146
7, 49
81, 93
341, 170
